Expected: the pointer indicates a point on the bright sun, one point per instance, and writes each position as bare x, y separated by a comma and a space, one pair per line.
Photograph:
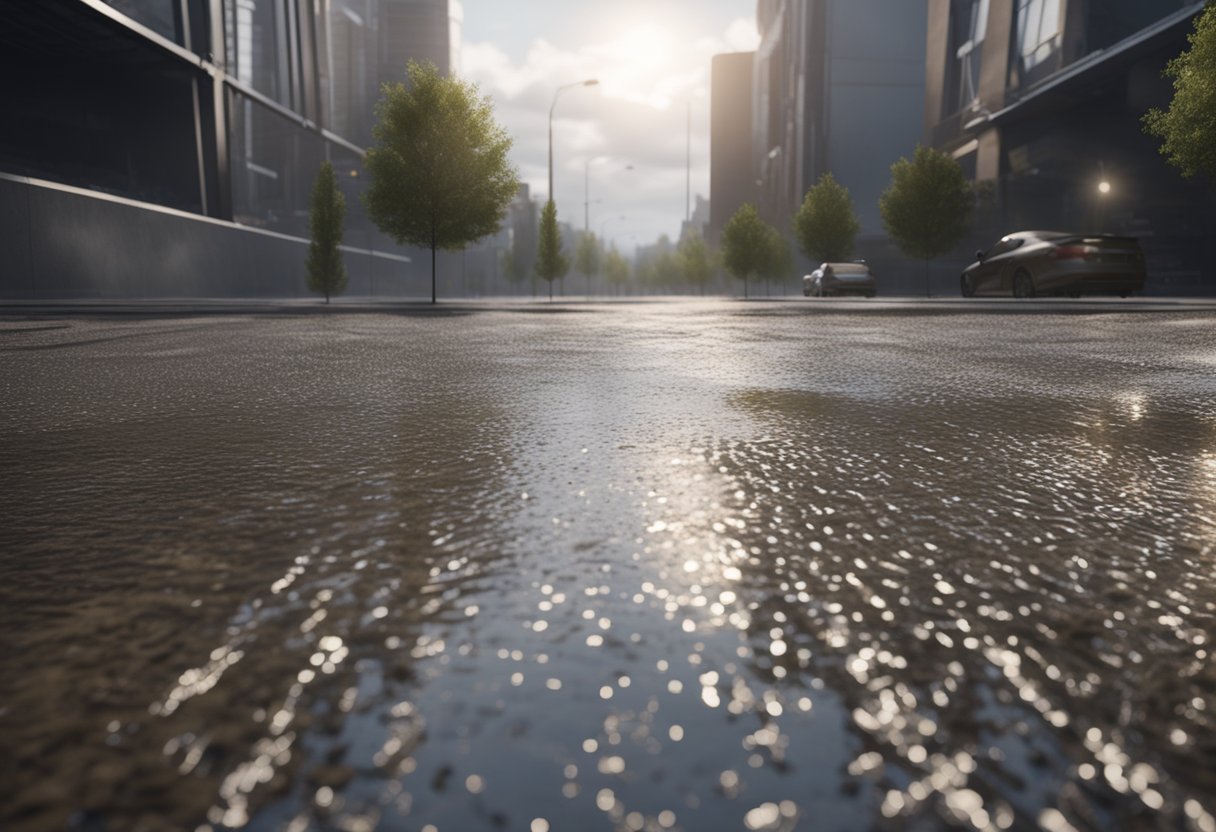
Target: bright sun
636, 61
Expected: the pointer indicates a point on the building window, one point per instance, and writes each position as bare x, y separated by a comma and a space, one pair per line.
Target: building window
968, 26
1037, 44
256, 35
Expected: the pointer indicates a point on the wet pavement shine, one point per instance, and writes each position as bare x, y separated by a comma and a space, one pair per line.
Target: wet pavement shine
672, 566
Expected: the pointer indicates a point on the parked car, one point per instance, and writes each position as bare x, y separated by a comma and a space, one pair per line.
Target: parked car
839, 279
1031, 263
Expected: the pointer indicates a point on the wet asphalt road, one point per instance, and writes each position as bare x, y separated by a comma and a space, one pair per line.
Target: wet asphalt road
698, 566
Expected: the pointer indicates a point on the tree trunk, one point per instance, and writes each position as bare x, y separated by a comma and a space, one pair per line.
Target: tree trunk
550, 291
433, 300
928, 288
745, 287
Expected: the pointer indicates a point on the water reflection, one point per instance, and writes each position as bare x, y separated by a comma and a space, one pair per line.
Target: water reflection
656, 569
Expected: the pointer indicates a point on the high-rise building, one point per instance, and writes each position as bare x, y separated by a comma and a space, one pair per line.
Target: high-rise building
1043, 100
838, 87
169, 147
419, 30
732, 181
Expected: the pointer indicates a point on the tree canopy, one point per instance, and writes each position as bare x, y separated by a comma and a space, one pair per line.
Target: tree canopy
440, 176
826, 225
616, 269
551, 262
927, 208
326, 272
747, 245
696, 261
587, 257
1188, 128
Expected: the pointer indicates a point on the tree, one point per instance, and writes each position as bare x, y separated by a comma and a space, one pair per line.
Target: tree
587, 257
927, 208
826, 225
440, 174
1188, 128
695, 261
616, 269
326, 272
551, 262
747, 249
778, 263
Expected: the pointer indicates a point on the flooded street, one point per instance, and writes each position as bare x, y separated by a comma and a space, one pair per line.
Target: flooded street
672, 566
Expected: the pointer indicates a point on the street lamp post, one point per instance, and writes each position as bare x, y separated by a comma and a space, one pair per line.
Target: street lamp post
590, 82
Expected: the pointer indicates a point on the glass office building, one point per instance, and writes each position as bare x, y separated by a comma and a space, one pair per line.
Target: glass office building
1043, 100
221, 110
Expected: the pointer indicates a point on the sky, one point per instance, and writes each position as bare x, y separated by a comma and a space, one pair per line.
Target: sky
621, 143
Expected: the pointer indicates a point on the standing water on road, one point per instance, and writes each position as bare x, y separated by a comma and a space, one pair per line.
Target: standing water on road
675, 566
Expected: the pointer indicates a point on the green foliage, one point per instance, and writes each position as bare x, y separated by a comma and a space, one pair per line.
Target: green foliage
587, 255
1188, 128
326, 272
440, 173
616, 268
669, 270
551, 263
826, 225
747, 245
927, 209
695, 261
779, 262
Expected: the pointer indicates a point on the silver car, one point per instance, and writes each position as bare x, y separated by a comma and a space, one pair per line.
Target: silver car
839, 279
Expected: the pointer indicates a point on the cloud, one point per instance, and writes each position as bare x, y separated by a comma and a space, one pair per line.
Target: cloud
624, 140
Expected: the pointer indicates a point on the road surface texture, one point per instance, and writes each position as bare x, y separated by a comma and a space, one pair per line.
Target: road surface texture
698, 566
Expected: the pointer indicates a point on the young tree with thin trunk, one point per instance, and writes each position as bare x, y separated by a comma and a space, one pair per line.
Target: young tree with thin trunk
927, 208
779, 263
1188, 128
440, 174
747, 249
326, 272
551, 263
587, 257
616, 270
826, 225
696, 261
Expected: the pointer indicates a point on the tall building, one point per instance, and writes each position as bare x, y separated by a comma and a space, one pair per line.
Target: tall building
1042, 100
168, 147
839, 88
732, 181
419, 30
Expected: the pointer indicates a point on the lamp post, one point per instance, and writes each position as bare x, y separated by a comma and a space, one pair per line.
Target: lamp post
590, 82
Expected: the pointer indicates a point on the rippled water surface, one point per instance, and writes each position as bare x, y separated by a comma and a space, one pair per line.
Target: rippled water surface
670, 566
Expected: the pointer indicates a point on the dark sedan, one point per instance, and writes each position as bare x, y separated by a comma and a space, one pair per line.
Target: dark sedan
1031, 263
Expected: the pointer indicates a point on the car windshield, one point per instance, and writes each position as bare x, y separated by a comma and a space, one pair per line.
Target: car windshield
850, 268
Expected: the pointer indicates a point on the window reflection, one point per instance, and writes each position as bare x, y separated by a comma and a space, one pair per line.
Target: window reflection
1037, 40
273, 167
968, 27
256, 36
161, 16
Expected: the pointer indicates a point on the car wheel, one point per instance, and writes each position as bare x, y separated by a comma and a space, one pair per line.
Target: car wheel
1023, 285
966, 286
806, 293
869, 294
1074, 295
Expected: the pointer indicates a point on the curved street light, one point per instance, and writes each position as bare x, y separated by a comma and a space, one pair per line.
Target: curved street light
590, 82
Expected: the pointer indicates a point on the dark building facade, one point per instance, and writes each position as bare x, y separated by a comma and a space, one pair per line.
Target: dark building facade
1042, 100
839, 88
168, 147
732, 179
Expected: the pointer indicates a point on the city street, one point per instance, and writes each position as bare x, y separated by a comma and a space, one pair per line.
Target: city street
696, 565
